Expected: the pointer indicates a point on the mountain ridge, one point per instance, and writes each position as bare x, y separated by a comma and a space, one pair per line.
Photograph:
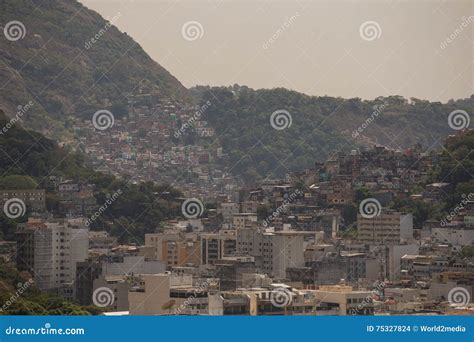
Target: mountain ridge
71, 61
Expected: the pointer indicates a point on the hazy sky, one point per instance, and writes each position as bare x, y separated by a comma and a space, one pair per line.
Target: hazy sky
315, 47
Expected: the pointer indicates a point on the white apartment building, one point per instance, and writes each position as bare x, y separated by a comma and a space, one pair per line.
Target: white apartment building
282, 250
343, 300
215, 246
133, 265
51, 249
243, 219
455, 235
390, 227
167, 294
275, 251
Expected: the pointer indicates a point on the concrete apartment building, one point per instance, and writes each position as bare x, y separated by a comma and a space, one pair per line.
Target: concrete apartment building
388, 228
328, 300
34, 199
50, 250
166, 294
129, 265
458, 236
281, 250
176, 248
258, 301
86, 272
343, 300
274, 251
243, 220
234, 271
101, 241
119, 285
215, 246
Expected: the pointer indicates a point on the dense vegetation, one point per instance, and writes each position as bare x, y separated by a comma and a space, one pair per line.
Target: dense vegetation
19, 297
320, 126
456, 164
57, 67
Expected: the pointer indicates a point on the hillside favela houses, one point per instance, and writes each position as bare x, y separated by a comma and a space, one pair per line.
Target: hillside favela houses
125, 191
284, 247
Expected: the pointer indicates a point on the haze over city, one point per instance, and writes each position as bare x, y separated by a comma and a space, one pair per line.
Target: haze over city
319, 51
164, 158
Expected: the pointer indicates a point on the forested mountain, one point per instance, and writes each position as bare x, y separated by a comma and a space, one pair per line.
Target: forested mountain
71, 61
318, 127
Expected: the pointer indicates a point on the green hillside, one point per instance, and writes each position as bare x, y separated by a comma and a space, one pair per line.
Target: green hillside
320, 126
59, 67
